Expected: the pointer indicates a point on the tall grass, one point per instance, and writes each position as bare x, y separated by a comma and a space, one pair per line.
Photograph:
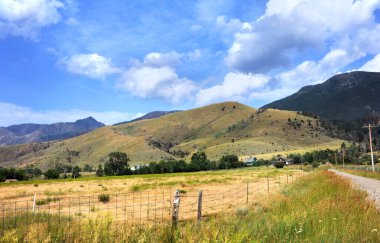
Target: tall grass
368, 174
318, 208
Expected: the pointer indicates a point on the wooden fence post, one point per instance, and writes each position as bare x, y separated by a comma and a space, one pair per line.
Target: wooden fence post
176, 201
199, 215
34, 201
247, 192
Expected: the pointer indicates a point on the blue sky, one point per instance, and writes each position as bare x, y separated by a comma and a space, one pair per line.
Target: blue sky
61, 60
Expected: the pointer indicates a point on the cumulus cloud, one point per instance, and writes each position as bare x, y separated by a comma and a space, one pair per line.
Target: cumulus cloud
372, 65
156, 82
11, 114
236, 86
26, 17
310, 72
91, 65
293, 26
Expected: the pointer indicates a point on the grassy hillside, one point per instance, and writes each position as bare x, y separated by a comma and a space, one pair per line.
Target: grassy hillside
217, 129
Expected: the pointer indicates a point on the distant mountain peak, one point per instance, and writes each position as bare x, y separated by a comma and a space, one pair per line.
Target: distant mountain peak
27, 133
345, 96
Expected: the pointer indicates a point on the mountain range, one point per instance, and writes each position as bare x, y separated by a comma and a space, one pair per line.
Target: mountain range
289, 125
217, 129
347, 97
29, 133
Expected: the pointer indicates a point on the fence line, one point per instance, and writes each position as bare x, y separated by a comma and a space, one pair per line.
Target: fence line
150, 207
360, 167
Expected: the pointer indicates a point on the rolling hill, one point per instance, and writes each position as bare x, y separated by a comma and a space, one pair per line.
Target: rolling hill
224, 128
28, 133
150, 115
347, 96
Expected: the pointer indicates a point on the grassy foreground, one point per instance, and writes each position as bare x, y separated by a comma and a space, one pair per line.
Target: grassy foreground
318, 208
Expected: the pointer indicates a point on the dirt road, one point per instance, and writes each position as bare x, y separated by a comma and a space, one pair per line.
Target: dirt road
371, 186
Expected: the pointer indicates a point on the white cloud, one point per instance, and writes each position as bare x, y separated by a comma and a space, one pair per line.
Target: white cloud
90, 65
156, 77
156, 82
162, 59
311, 72
11, 114
290, 27
372, 65
236, 86
26, 17
229, 26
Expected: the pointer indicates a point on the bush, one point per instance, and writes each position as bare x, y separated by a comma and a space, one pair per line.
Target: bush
315, 164
104, 198
51, 174
279, 164
100, 171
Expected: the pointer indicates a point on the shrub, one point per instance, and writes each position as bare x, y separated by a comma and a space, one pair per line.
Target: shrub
104, 198
315, 164
279, 164
51, 174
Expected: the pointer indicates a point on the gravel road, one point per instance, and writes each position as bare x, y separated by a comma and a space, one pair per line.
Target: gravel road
371, 186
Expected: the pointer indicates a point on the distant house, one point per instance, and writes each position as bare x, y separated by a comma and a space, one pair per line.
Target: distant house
10, 180
285, 160
249, 161
137, 167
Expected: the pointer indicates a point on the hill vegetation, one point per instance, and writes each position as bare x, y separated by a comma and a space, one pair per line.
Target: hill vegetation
218, 129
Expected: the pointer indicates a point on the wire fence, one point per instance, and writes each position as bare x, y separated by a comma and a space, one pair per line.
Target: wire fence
150, 207
360, 167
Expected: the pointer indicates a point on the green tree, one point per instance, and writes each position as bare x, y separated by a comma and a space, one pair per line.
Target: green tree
87, 168
36, 172
230, 161
199, 160
76, 172
117, 164
100, 171
51, 174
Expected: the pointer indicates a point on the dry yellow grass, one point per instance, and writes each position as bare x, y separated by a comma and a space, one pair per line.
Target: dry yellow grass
144, 199
224, 128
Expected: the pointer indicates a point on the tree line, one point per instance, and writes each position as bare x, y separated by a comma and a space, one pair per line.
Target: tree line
118, 164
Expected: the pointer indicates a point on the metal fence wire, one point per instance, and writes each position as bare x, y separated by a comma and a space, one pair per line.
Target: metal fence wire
150, 207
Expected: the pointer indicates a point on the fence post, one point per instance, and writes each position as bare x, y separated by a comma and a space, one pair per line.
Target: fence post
247, 191
199, 215
34, 201
3, 218
176, 201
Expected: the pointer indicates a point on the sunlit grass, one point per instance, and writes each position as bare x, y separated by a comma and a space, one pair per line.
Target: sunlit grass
321, 207
368, 174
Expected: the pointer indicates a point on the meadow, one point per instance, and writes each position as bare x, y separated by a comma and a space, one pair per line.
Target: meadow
319, 207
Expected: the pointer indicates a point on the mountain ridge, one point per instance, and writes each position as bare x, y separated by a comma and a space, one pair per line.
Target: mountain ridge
218, 129
346, 96
150, 115
31, 132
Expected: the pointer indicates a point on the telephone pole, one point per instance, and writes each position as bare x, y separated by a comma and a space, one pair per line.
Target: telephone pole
370, 144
